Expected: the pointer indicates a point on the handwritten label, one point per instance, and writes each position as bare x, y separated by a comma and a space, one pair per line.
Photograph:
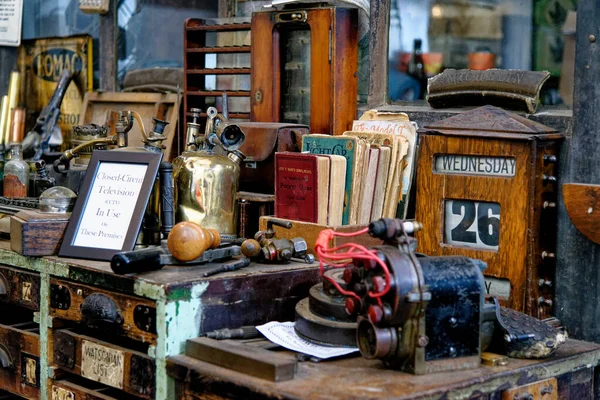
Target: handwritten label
102, 364
475, 165
472, 224
497, 287
26, 292
30, 375
110, 206
59, 393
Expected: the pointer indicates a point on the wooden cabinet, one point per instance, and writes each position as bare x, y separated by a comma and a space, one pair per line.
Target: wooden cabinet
305, 68
91, 323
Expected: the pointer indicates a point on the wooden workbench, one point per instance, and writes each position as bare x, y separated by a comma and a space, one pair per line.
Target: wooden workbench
357, 378
186, 303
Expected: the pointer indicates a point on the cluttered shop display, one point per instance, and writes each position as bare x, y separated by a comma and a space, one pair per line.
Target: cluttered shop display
434, 243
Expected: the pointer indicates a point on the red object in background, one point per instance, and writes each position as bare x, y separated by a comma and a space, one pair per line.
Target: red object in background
481, 60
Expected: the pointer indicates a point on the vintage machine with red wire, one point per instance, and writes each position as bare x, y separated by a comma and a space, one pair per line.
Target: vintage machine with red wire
425, 314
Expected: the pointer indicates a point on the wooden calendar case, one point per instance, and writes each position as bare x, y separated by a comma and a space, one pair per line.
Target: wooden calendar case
486, 189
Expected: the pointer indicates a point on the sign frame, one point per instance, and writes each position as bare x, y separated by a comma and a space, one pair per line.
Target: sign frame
124, 158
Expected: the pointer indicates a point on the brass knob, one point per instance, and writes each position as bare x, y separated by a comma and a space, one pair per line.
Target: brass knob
250, 248
188, 241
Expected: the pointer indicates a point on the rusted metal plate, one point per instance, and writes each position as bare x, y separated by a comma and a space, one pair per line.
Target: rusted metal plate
541, 390
512, 89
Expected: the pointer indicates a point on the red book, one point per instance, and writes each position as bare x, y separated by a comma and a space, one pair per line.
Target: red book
301, 187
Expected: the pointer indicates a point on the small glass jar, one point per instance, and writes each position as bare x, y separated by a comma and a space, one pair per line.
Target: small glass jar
16, 175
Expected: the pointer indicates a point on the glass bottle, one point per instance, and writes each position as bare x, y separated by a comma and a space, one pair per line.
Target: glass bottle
418, 67
16, 175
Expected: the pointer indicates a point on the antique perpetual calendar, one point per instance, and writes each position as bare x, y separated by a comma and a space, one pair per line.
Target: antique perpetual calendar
486, 189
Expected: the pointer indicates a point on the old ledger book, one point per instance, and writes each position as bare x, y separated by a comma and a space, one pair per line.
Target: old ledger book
351, 149
398, 147
337, 181
380, 182
364, 216
302, 187
397, 124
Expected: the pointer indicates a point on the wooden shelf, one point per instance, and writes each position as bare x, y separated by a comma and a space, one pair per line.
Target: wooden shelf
218, 93
218, 71
220, 28
232, 115
224, 49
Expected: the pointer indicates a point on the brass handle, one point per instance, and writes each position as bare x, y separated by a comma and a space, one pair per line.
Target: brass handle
291, 16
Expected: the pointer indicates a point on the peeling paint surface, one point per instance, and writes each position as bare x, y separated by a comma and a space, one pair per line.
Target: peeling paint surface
147, 290
177, 321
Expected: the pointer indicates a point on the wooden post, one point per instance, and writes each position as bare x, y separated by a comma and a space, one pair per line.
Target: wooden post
378, 52
578, 259
108, 49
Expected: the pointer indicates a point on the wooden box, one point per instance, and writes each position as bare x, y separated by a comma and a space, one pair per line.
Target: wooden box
37, 234
310, 233
19, 287
19, 352
310, 54
486, 189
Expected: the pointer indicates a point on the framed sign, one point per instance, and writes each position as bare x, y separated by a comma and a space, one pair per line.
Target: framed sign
110, 208
11, 22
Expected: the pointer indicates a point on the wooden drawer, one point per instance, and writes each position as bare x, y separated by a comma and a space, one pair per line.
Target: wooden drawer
19, 287
129, 316
79, 389
20, 359
119, 367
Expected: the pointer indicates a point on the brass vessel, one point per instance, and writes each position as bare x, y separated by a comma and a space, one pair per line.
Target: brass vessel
206, 175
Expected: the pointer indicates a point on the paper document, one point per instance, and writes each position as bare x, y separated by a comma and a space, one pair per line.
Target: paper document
284, 334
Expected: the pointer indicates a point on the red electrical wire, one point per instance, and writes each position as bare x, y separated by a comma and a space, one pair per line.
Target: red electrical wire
333, 256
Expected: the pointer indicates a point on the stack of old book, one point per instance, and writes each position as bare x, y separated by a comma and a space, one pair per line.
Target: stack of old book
360, 176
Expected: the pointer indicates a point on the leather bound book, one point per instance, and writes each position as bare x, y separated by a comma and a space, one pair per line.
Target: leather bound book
302, 187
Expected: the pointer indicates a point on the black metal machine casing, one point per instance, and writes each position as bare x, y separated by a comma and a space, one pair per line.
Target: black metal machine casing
430, 320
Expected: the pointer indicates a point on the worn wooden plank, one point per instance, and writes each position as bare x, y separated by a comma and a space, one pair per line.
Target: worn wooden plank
578, 258
108, 49
245, 359
378, 52
361, 378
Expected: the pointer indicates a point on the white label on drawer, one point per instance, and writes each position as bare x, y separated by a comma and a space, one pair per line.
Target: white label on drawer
102, 364
59, 393
498, 287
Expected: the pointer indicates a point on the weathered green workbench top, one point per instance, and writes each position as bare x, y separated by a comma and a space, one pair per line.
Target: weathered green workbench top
357, 378
171, 282
187, 304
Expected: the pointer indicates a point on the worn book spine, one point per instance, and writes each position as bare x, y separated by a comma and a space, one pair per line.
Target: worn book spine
369, 191
297, 191
380, 182
342, 146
